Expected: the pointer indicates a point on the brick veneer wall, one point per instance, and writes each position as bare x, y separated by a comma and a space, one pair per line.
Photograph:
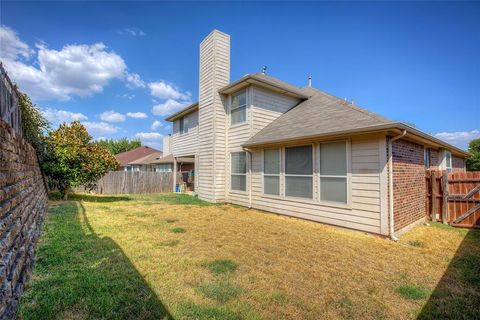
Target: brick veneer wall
408, 183
457, 164
434, 159
23, 203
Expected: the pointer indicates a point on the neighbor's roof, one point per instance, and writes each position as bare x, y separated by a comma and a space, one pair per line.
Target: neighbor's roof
263, 80
323, 115
126, 157
184, 111
169, 159
148, 158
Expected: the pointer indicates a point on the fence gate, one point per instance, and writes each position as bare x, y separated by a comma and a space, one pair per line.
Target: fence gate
454, 198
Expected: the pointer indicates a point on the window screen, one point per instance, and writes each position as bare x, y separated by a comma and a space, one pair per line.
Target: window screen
271, 171
239, 171
448, 159
427, 158
333, 172
238, 109
299, 172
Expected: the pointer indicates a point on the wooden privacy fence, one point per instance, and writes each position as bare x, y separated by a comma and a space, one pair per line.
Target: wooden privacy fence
454, 198
128, 182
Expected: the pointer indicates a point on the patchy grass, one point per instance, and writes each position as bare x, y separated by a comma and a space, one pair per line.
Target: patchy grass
221, 266
412, 292
178, 230
416, 243
171, 220
221, 291
115, 257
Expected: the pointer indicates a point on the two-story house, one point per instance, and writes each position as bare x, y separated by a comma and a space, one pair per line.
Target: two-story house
262, 143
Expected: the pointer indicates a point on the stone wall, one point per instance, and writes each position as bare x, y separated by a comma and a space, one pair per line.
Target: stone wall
23, 203
408, 183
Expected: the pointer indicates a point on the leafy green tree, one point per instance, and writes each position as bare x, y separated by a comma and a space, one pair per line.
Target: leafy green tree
473, 163
34, 125
117, 146
74, 160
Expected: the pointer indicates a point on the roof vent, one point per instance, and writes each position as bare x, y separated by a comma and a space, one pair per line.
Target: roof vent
353, 101
264, 70
310, 81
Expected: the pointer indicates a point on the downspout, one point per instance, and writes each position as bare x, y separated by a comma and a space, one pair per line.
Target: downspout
249, 177
390, 185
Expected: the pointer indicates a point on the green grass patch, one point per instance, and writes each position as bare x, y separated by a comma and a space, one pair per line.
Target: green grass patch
171, 220
412, 292
205, 312
169, 243
173, 198
79, 274
221, 291
221, 266
178, 230
416, 243
469, 267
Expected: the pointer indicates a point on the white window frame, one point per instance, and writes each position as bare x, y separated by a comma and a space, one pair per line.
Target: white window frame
246, 90
271, 174
447, 167
426, 158
285, 175
347, 177
239, 174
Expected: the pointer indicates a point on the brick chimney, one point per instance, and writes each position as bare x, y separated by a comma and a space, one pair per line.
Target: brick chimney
214, 74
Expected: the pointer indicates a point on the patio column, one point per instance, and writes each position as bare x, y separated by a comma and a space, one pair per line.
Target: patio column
174, 173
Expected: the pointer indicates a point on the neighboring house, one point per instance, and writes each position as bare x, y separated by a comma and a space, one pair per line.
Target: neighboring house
124, 158
262, 143
156, 163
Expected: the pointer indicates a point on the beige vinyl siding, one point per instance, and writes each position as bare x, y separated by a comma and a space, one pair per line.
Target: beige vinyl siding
365, 187
267, 106
214, 74
185, 144
262, 108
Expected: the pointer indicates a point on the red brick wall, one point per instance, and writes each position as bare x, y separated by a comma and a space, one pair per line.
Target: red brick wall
457, 164
408, 183
435, 159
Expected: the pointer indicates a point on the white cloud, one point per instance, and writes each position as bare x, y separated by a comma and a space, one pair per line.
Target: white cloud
132, 32
100, 128
137, 115
163, 90
128, 96
79, 70
149, 136
156, 124
59, 116
459, 138
11, 47
112, 116
133, 81
168, 107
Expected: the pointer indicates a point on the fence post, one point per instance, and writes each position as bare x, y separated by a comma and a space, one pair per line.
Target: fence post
433, 183
445, 197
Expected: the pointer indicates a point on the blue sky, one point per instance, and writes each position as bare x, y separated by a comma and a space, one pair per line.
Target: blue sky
120, 67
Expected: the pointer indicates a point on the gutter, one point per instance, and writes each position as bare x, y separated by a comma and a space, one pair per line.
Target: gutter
249, 152
390, 185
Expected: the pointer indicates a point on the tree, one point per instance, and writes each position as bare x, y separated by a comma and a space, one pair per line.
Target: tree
117, 146
34, 124
473, 163
73, 159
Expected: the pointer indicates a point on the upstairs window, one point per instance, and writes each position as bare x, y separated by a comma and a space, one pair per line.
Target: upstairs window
426, 161
239, 171
238, 108
271, 171
448, 160
181, 125
333, 172
299, 172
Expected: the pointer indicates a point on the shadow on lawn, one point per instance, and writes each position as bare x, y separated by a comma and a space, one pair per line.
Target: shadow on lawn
457, 295
90, 197
80, 275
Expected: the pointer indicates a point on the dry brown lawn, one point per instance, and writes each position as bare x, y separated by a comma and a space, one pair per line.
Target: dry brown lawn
276, 267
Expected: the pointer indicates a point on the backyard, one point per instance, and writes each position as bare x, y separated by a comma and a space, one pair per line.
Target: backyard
173, 256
